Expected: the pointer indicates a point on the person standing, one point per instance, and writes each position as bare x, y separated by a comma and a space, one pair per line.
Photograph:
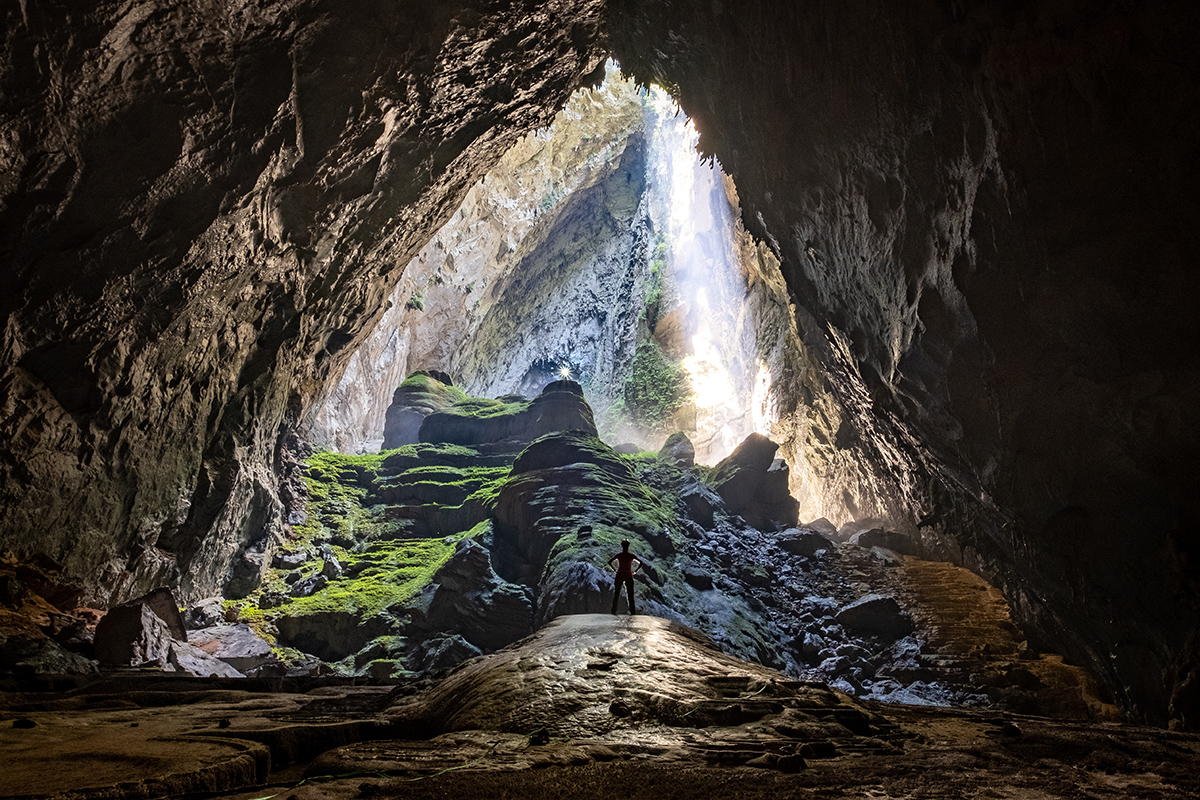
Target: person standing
625, 570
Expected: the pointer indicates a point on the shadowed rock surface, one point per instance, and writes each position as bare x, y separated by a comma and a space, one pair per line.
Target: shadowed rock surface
983, 216
598, 706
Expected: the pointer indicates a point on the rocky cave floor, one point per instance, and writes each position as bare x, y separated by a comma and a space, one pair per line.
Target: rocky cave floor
590, 706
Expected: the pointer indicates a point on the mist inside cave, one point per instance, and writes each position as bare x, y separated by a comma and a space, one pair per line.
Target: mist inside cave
660, 324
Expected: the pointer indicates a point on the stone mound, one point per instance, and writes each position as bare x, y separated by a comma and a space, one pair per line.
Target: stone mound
590, 674
422, 393
475, 421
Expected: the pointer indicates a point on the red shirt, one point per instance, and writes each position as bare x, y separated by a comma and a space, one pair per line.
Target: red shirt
624, 564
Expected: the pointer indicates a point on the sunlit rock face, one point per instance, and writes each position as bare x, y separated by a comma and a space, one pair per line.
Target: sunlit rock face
983, 215
201, 213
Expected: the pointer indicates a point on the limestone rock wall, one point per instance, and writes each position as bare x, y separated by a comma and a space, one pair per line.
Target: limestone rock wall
544, 218
202, 210
983, 213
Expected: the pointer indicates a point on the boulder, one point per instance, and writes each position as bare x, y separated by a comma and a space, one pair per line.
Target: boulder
754, 484
434, 655
627, 449
889, 540
422, 393
131, 635
474, 602
823, 527
306, 587
697, 578
292, 560
184, 657
849, 529
204, 614
24, 653
876, 615
700, 501
331, 569
802, 542
162, 602
235, 645
678, 450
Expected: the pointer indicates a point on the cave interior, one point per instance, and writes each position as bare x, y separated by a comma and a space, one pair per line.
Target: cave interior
344, 342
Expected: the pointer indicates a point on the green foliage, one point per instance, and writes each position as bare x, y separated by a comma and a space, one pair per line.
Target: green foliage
416, 302
656, 387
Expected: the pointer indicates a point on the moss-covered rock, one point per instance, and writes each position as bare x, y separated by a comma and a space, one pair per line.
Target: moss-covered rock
476, 421
422, 393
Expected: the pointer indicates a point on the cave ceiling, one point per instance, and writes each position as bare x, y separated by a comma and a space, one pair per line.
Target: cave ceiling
985, 214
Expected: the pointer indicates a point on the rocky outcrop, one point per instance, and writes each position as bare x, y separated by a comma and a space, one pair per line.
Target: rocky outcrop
678, 449
475, 421
755, 484
422, 393
473, 602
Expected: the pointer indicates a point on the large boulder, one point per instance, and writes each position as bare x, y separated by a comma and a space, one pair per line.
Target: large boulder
235, 645
140, 631
678, 450
422, 393
890, 540
754, 484
184, 657
876, 615
132, 635
802, 542
475, 603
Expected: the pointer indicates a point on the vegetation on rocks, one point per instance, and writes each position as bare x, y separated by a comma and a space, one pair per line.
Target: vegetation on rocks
656, 388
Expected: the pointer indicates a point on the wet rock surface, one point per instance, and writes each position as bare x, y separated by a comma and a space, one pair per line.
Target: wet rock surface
591, 706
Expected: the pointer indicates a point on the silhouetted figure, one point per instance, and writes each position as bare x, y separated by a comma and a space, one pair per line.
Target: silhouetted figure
625, 572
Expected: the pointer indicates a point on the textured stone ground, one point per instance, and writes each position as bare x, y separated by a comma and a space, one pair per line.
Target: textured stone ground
591, 706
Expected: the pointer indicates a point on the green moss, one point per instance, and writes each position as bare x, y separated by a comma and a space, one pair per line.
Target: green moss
420, 383
387, 574
656, 387
482, 408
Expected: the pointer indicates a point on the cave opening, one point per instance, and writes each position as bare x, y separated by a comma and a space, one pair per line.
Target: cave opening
960, 308
601, 249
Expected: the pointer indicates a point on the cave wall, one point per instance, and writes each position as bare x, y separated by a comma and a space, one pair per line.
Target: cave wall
983, 212
201, 209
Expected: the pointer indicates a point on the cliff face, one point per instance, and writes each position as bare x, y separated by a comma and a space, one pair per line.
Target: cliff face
982, 214
202, 212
